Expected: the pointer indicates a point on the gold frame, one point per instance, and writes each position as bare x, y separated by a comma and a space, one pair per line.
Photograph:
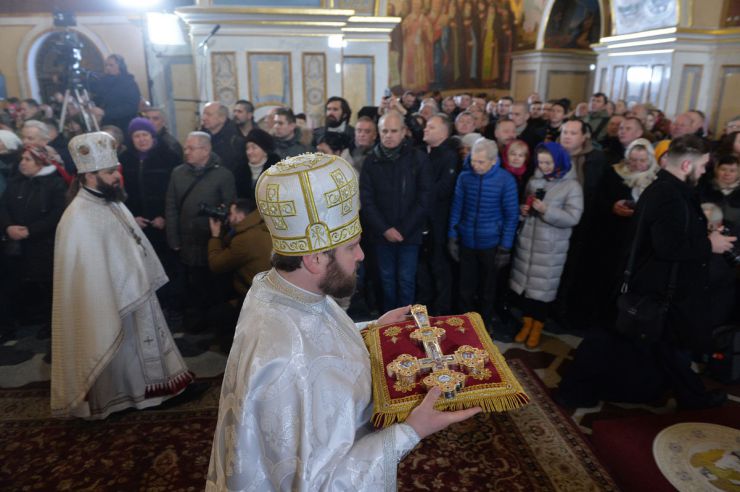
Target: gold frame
645, 85
213, 72
252, 97
685, 71
371, 57
617, 85
663, 68
719, 97
304, 54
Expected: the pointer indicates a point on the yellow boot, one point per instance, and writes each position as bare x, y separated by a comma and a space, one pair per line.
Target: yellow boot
524, 332
535, 334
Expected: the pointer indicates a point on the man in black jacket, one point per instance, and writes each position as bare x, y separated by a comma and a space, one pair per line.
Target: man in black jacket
338, 114
394, 193
674, 230
226, 140
435, 269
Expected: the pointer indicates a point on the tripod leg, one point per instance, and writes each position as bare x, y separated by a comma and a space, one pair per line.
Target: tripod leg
64, 111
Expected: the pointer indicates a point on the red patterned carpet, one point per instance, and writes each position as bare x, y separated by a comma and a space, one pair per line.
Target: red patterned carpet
152, 450
167, 449
536, 448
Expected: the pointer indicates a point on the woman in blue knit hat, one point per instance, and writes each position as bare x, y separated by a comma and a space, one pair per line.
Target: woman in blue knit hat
553, 206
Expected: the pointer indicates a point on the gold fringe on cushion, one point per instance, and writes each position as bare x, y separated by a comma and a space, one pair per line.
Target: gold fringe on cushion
493, 397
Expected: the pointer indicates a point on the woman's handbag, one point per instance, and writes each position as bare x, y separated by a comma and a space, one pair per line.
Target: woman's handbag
642, 317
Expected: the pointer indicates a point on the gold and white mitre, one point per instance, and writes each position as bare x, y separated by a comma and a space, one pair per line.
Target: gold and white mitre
310, 203
93, 151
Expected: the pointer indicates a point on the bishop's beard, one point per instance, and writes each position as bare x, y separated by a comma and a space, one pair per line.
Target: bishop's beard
111, 193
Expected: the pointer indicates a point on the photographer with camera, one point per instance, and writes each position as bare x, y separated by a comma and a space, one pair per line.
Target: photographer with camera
243, 250
116, 93
201, 179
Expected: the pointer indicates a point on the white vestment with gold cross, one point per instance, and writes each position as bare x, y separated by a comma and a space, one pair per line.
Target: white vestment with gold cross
296, 400
111, 347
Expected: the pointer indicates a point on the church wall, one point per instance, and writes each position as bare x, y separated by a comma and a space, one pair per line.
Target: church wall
553, 74
109, 34
10, 39
707, 13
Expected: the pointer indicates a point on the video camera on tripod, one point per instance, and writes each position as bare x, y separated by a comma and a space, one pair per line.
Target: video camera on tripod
70, 55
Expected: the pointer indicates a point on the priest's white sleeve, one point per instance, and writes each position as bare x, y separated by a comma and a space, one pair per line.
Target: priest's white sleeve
294, 415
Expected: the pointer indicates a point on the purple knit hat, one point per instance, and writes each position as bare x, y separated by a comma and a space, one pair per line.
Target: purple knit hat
139, 124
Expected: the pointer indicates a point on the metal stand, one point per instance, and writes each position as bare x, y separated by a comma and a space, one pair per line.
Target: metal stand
82, 100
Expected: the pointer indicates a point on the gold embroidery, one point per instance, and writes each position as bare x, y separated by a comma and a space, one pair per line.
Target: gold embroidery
392, 333
343, 194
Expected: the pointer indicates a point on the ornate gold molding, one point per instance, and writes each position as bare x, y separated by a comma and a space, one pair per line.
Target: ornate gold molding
264, 10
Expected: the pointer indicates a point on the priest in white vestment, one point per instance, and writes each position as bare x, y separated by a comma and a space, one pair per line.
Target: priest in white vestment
111, 347
296, 398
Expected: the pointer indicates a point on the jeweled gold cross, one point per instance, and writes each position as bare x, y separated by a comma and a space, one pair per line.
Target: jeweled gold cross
406, 367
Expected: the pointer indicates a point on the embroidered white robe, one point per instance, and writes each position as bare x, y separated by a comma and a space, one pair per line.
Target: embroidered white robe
111, 347
296, 400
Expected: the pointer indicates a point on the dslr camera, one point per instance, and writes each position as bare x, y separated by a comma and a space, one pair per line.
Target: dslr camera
219, 213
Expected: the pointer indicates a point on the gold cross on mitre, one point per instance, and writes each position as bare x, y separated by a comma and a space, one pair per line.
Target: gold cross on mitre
442, 367
275, 209
344, 192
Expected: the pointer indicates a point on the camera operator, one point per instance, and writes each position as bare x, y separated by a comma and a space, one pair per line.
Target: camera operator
201, 179
242, 250
116, 93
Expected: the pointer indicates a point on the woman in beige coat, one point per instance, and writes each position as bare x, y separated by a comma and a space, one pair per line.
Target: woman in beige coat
553, 206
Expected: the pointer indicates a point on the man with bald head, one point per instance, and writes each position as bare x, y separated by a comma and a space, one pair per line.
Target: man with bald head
227, 142
681, 125
519, 114
630, 129
435, 269
201, 179
394, 193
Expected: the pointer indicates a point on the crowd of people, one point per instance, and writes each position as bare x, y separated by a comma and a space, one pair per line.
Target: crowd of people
524, 211
468, 203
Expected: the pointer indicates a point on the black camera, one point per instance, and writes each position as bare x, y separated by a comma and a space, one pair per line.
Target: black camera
539, 193
219, 213
733, 255
69, 49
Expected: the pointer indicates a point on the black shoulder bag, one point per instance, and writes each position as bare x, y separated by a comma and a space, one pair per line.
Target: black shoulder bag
642, 317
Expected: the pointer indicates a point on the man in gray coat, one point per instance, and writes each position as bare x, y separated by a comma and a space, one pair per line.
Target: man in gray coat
200, 180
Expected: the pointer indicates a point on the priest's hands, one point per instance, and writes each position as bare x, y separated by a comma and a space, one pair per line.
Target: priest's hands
397, 315
425, 420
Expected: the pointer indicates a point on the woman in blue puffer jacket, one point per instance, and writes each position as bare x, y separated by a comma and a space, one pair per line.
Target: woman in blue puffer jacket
483, 222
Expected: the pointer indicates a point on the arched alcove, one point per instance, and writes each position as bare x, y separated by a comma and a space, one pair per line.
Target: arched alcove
51, 57
573, 25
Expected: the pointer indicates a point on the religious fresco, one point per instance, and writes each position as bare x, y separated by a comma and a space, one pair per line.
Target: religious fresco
573, 25
450, 44
642, 15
